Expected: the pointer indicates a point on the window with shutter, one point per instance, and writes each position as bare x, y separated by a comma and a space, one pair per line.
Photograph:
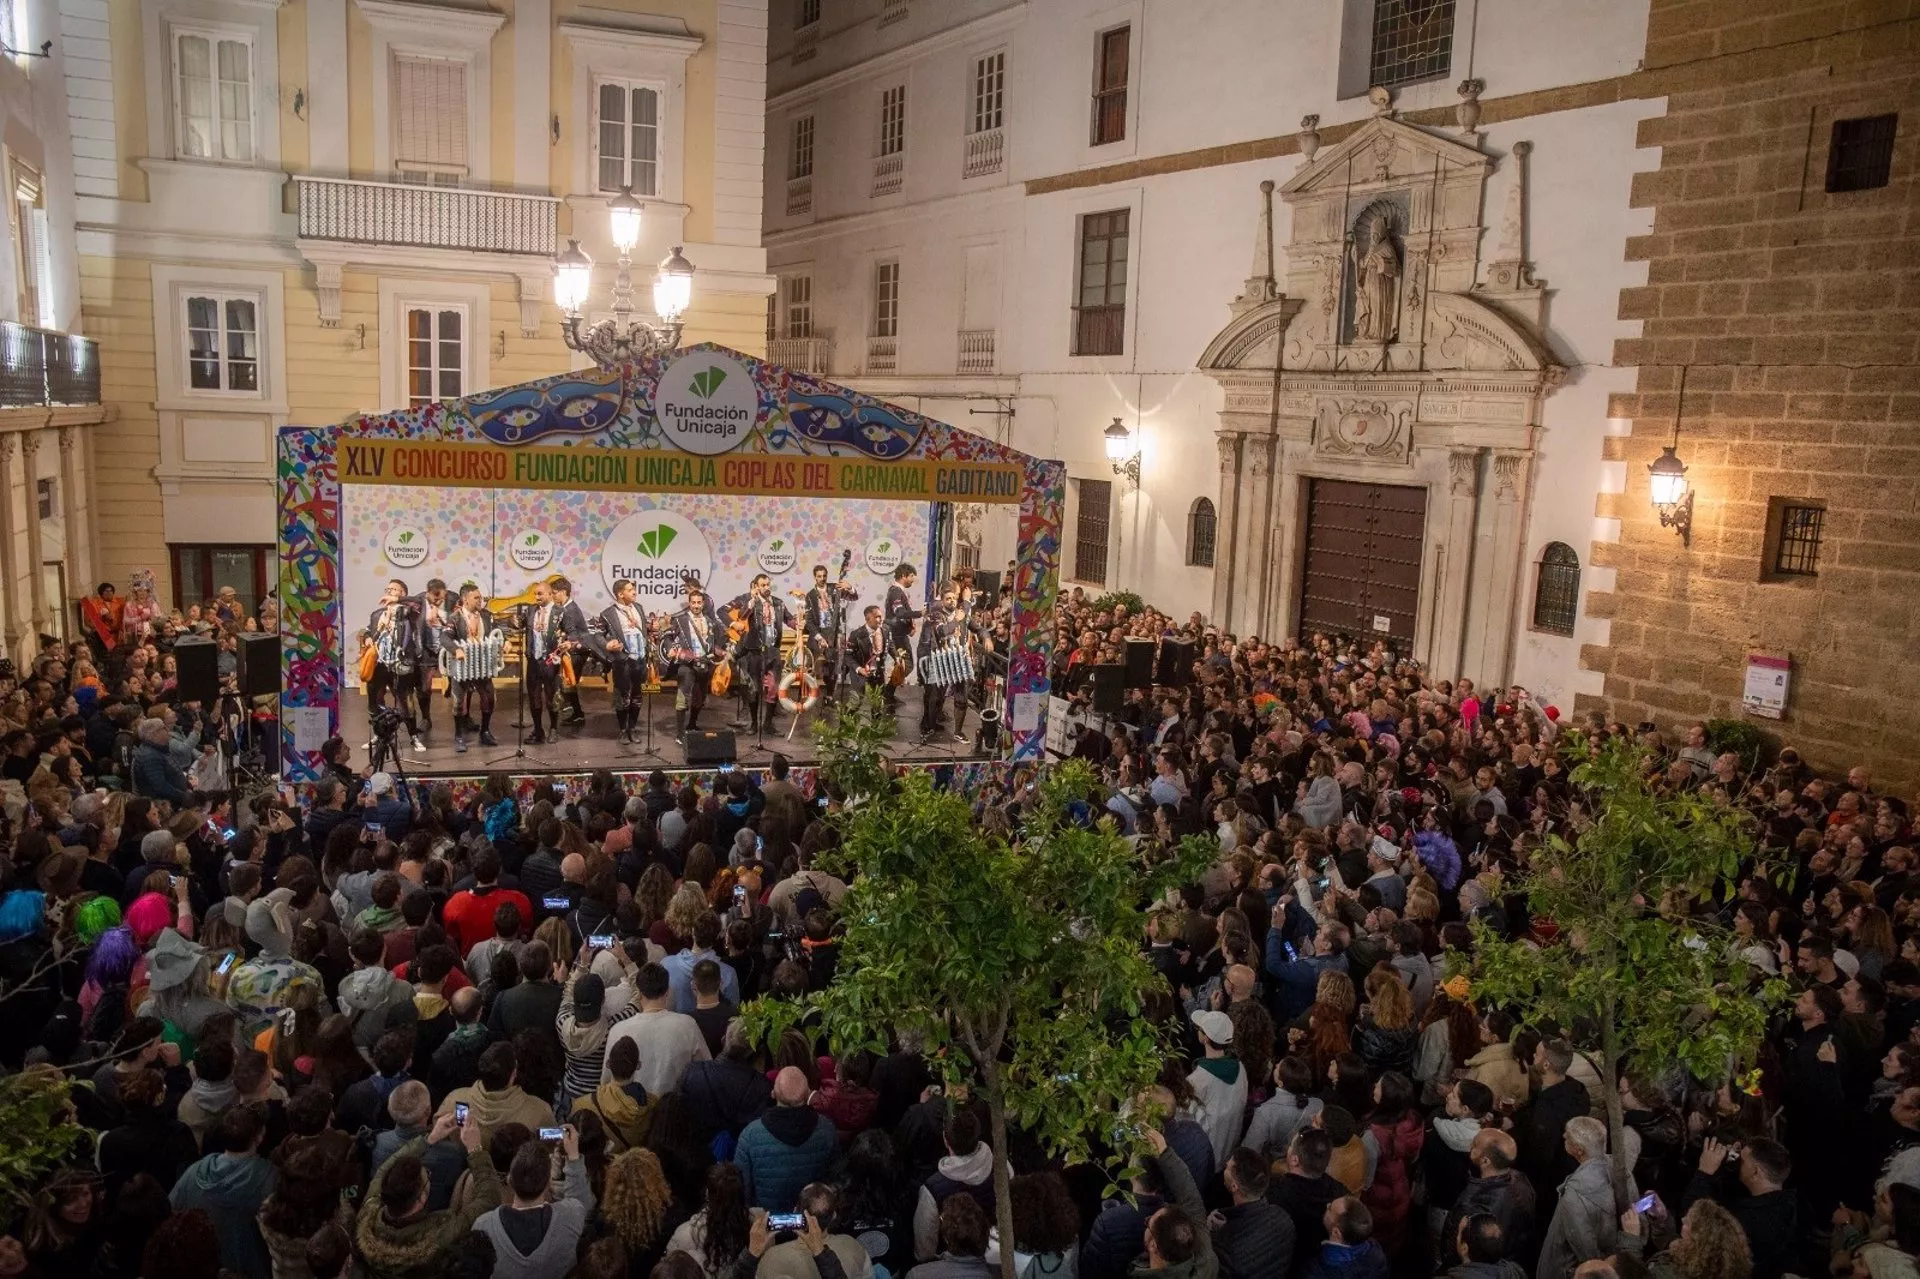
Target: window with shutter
28, 223
436, 353
627, 137
429, 119
213, 95
223, 341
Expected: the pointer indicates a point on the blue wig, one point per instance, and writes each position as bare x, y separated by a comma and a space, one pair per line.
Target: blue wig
23, 913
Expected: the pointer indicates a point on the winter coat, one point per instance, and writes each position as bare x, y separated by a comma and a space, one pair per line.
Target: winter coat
1585, 1225
1540, 1131
850, 1106
627, 1119
230, 1190
1305, 1200
490, 1110
1221, 1106
1182, 1191
1347, 1261
377, 1001
1495, 1067
1275, 1121
1253, 1241
725, 1096
1390, 1197
1486, 1270
444, 1161
421, 1247
1384, 1049
567, 1221
1416, 970
970, 1174
780, 1152
1507, 1197
289, 1252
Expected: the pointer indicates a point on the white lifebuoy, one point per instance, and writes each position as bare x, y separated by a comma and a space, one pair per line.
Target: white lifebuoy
789, 701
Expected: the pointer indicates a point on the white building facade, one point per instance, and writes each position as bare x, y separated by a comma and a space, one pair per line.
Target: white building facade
1035, 219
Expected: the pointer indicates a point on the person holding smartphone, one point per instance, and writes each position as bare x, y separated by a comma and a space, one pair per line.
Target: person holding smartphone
536, 1229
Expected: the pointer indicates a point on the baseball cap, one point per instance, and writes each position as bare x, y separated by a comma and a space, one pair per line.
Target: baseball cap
1217, 1027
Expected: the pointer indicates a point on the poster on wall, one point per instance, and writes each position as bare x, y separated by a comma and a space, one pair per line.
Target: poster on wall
531, 549
1765, 692
405, 546
777, 555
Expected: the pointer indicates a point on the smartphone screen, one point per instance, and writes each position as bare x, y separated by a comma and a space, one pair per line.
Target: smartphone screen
376, 829
759, 844
460, 1113
726, 768
1291, 952
556, 903
739, 893
553, 1134
601, 941
226, 964
785, 1221
1644, 1202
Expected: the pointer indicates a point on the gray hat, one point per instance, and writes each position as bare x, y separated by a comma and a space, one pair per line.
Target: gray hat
172, 960
263, 929
157, 846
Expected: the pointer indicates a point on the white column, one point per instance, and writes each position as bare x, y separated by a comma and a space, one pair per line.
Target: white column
327, 87
533, 95
75, 499
1456, 548
1226, 526
12, 625
36, 541
1256, 524
1500, 576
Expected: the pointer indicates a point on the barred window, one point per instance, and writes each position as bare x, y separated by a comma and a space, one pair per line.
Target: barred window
1090, 531
1412, 41
1556, 590
1200, 533
1860, 156
1798, 554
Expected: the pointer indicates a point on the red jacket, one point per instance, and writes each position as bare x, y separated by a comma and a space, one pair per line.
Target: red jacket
468, 915
1390, 1197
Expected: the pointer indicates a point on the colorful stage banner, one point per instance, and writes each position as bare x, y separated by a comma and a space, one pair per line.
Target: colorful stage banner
449, 464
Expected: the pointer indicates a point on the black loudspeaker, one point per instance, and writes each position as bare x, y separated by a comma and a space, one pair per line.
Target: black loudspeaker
987, 582
259, 665
1139, 663
1109, 688
1175, 667
199, 663
710, 748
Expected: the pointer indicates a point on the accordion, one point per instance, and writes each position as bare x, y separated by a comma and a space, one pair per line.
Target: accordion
481, 659
946, 666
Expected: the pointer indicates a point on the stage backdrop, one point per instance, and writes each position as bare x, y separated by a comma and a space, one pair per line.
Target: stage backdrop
701, 421
506, 540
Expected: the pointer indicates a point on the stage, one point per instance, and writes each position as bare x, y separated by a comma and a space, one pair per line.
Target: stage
595, 744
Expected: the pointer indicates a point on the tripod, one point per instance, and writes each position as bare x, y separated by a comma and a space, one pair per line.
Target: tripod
519, 701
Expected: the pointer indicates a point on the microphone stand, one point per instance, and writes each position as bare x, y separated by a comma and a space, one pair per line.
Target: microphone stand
520, 701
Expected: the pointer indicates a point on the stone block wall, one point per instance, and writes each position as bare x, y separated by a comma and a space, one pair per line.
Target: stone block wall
1795, 313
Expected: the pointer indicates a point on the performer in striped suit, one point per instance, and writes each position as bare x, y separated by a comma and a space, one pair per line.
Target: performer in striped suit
467, 629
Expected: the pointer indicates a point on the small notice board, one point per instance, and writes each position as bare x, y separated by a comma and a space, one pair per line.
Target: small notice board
1765, 692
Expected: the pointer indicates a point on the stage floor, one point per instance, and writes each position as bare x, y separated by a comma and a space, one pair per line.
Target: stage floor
596, 744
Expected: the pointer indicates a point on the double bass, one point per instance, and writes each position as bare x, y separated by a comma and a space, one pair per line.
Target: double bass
800, 689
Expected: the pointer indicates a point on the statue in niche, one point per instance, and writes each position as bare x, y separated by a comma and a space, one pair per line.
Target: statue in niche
1376, 285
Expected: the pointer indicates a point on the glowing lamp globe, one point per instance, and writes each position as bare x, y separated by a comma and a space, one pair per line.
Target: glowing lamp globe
623, 220
1667, 477
572, 277
673, 287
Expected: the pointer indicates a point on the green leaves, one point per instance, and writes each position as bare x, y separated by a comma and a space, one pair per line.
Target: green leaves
1017, 968
36, 1113
708, 380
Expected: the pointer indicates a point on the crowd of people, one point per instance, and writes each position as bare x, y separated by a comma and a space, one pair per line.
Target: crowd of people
366, 1030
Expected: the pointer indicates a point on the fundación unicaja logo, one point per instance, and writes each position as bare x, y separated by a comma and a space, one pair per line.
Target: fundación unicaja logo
777, 554
883, 555
656, 550
531, 550
706, 403
655, 541
405, 547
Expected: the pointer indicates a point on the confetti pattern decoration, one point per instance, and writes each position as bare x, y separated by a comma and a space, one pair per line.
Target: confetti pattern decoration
799, 415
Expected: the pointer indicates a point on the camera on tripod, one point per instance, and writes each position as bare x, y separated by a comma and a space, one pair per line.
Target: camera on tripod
386, 722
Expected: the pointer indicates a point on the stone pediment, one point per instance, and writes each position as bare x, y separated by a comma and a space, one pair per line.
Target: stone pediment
1252, 339
1382, 153
1465, 333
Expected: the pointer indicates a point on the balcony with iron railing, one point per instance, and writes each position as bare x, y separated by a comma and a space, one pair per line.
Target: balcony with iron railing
427, 217
976, 351
799, 196
1100, 330
44, 368
883, 355
984, 154
808, 355
889, 174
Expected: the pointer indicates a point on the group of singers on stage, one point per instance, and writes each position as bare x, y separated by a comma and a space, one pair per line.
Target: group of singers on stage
412, 637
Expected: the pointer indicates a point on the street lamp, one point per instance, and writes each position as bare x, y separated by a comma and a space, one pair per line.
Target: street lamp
623, 336
1667, 478
1122, 452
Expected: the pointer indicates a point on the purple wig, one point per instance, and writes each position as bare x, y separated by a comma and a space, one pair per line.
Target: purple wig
113, 958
